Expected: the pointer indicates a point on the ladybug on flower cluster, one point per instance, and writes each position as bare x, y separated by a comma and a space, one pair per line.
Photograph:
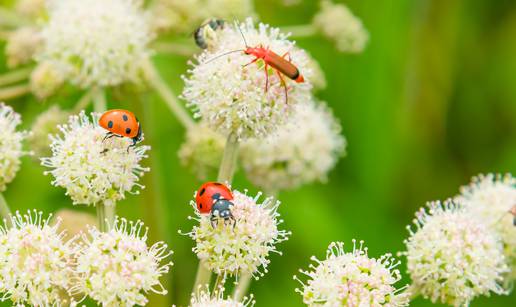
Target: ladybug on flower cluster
121, 123
215, 199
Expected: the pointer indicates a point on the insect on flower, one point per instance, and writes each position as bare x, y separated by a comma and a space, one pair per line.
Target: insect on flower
280, 64
513, 212
215, 198
200, 33
121, 123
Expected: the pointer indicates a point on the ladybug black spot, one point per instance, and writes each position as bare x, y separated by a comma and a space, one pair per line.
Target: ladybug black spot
202, 192
216, 183
110, 124
125, 118
127, 130
200, 206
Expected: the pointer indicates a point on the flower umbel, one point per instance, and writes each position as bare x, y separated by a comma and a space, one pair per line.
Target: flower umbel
96, 42
303, 150
339, 24
10, 145
202, 151
352, 279
117, 268
91, 169
489, 198
37, 264
203, 298
245, 246
232, 97
452, 258
46, 123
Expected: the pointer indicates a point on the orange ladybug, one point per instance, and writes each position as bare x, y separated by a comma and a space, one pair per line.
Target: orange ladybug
209, 193
121, 123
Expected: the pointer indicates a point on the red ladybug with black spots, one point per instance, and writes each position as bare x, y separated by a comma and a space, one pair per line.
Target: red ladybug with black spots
215, 198
121, 123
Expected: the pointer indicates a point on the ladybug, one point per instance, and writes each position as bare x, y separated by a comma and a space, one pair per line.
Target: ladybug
121, 123
202, 33
215, 199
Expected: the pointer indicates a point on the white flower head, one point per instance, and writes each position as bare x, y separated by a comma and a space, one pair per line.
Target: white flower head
45, 80
338, 23
231, 97
21, 45
96, 42
10, 145
37, 265
204, 298
31, 8
90, 168
452, 258
202, 151
117, 268
490, 198
352, 279
46, 123
243, 246
303, 150
185, 15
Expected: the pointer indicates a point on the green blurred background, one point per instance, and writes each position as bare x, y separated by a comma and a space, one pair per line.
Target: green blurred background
430, 103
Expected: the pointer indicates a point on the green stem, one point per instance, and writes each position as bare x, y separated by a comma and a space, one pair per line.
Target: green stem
106, 215
167, 95
243, 285
99, 100
301, 30
175, 48
83, 102
14, 91
229, 159
5, 212
202, 278
15, 76
219, 285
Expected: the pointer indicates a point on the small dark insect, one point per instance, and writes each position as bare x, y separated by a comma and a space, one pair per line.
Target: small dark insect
121, 123
513, 212
200, 34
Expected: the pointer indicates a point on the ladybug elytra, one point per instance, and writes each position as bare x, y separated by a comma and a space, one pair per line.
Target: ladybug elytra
215, 198
121, 123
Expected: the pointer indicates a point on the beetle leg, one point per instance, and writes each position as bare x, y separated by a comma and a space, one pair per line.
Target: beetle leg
284, 85
266, 69
253, 61
285, 54
212, 220
108, 136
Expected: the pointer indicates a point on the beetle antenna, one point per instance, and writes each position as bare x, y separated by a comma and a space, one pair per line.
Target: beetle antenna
241, 33
221, 55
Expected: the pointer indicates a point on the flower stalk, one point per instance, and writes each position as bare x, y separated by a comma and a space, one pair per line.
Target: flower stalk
14, 91
242, 287
166, 93
15, 76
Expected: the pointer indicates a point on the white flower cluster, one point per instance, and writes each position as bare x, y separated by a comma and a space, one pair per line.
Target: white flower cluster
21, 46
46, 123
489, 198
45, 80
231, 97
91, 169
243, 247
10, 145
338, 23
117, 268
37, 266
352, 279
96, 42
204, 298
202, 151
185, 15
451, 257
303, 150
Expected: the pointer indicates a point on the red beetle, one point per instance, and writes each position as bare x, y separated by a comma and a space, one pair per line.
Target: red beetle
209, 193
121, 123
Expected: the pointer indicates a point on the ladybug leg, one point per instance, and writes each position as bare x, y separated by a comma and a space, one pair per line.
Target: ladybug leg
108, 136
284, 85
